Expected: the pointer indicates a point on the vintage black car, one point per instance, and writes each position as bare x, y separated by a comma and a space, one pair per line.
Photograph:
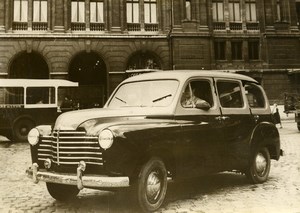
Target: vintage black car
155, 127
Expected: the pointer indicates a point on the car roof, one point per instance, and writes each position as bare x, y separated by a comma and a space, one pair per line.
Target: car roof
186, 74
36, 83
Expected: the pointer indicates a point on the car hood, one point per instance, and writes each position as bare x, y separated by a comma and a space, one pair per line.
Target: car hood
91, 117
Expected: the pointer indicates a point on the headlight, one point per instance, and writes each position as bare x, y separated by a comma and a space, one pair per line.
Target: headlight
106, 139
33, 136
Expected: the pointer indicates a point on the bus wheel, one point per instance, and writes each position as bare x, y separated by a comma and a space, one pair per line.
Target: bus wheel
21, 129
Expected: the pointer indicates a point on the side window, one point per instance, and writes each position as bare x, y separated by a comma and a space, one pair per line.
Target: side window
40, 95
197, 92
254, 95
230, 94
11, 95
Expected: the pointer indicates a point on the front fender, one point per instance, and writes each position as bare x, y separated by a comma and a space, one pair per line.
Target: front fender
134, 143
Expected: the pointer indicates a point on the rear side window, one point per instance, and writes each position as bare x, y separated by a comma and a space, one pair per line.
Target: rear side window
255, 96
230, 94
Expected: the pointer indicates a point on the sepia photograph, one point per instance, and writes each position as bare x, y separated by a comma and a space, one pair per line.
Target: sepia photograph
166, 106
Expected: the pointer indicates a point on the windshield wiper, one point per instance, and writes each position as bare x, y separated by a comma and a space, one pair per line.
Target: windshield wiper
121, 100
163, 97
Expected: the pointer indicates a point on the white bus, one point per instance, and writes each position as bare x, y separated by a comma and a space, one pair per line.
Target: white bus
25, 103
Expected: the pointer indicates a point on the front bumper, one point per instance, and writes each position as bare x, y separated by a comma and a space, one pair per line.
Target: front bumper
77, 179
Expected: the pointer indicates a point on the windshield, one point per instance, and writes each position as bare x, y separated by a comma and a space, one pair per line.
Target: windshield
154, 93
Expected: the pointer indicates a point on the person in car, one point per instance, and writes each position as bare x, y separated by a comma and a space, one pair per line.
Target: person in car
189, 100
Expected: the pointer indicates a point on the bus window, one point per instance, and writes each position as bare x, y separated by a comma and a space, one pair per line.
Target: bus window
11, 95
40, 95
68, 97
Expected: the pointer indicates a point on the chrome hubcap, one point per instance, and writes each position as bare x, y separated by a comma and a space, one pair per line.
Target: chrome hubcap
153, 187
261, 163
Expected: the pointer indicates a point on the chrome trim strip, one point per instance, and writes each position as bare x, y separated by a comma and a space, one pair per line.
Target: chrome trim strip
57, 147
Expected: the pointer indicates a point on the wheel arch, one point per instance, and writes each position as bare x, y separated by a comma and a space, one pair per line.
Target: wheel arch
23, 117
266, 134
164, 154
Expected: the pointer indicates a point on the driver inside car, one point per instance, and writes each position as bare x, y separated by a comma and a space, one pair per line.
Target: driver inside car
189, 100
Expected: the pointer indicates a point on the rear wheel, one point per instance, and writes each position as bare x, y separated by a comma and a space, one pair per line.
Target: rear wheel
62, 192
21, 129
152, 185
260, 164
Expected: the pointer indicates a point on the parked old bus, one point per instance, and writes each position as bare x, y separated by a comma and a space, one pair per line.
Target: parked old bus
25, 103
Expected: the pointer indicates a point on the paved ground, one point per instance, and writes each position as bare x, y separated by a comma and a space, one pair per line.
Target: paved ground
226, 192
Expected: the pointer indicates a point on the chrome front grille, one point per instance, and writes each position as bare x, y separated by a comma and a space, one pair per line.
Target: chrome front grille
69, 148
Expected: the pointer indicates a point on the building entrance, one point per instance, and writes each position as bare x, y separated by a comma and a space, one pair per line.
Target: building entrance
89, 70
29, 65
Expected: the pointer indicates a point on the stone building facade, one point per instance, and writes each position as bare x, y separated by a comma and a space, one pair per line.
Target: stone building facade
94, 42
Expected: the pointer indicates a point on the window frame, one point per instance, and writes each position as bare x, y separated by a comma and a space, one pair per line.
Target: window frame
250, 10
99, 14
256, 86
233, 16
216, 10
78, 12
236, 48
21, 11
253, 50
220, 53
151, 3
233, 110
40, 11
134, 15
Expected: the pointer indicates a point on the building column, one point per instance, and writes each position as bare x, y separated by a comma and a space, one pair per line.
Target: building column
8, 15
293, 16
2, 16
226, 15
177, 14
66, 15
58, 15
203, 8
87, 15
116, 21
270, 9
285, 10
30, 16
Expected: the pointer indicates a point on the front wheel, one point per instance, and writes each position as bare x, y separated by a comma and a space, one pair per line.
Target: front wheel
62, 192
152, 185
298, 125
260, 164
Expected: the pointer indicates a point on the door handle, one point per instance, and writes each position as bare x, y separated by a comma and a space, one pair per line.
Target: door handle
222, 118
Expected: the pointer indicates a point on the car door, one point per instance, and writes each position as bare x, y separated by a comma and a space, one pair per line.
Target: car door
197, 149
236, 122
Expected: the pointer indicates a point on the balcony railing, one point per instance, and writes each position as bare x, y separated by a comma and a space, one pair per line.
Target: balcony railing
133, 26
219, 25
76, 26
20, 26
254, 26
39, 26
151, 27
235, 26
97, 26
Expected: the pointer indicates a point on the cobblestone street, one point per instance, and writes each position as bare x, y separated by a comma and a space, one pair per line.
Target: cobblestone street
225, 192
